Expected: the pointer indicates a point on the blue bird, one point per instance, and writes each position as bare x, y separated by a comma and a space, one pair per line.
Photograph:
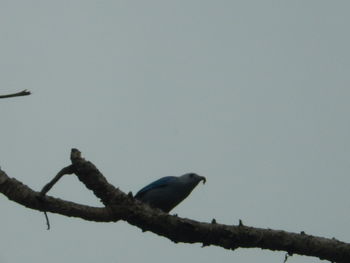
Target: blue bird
169, 191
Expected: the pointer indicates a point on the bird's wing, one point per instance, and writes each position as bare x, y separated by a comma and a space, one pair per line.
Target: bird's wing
162, 182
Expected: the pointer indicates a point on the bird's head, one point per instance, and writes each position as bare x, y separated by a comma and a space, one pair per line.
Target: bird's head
192, 178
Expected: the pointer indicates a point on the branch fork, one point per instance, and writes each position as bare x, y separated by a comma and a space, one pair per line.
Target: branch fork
120, 206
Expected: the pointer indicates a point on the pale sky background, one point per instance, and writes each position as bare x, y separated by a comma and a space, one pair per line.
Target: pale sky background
254, 95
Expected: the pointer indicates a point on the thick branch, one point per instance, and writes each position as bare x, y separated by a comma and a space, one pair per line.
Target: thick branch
22, 194
18, 94
125, 207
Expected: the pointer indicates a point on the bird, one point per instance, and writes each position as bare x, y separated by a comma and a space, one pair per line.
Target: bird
167, 192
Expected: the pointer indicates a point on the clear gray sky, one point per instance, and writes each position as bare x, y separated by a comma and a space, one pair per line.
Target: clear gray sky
254, 95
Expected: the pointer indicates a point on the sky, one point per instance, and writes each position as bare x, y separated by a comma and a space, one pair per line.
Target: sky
254, 95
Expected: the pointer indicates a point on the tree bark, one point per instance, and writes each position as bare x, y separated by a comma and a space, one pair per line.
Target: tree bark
121, 206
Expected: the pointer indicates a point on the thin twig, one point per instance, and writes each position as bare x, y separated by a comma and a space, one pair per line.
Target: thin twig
47, 220
21, 93
287, 256
48, 186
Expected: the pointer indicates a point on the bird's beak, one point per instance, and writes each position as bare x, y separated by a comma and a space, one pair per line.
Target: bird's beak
203, 179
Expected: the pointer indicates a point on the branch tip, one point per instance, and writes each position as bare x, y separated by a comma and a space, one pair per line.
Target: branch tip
18, 94
47, 220
75, 154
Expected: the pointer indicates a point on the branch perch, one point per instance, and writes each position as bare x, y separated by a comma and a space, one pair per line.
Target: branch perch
120, 206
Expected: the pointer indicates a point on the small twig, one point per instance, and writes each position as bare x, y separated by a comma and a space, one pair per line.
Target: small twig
287, 256
47, 220
41, 199
21, 93
48, 186
64, 171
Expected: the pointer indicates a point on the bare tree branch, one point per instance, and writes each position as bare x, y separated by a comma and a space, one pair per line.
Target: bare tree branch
18, 94
121, 206
64, 171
